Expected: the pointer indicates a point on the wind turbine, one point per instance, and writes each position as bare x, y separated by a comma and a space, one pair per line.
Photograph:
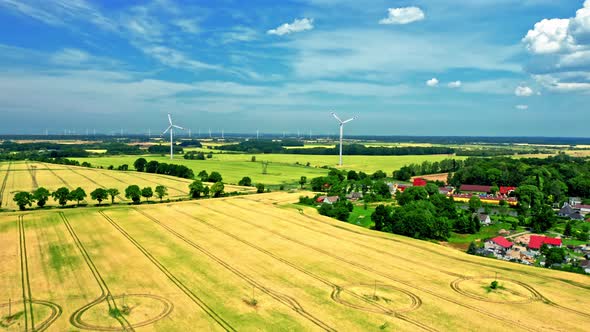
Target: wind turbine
171, 129
341, 131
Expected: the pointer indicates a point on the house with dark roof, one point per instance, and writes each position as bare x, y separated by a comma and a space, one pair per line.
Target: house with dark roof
475, 189
484, 219
354, 196
571, 212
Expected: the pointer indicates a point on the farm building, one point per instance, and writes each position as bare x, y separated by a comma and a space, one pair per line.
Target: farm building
506, 190
354, 196
584, 208
499, 243
536, 241
419, 182
328, 199
475, 189
574, 201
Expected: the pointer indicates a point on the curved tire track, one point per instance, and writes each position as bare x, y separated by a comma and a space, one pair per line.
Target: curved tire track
195, 298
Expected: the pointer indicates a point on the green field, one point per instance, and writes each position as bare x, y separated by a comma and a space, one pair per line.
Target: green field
283, 168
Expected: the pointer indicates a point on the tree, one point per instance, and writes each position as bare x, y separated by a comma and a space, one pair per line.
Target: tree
215, 177
140, 164
203, 175
382, 189
253, 159
61, 195
99, 194
41, 195
474, 203
259, 188
195, 189
411, 194
113, 192
147, 193
133, 193
431, 188
352, 176
78, 195
217, 189
161, 191
245, 181
152, 167
302, 181
23, 199
382, 217
472, 250
568, 229
554, 256
378, 175
543, 218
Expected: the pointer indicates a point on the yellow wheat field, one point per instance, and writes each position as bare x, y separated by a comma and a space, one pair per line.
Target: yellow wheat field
244, 264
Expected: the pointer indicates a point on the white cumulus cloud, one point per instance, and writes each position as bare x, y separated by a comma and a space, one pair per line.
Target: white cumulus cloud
549, 36
454, 85
298, 25
403, 15
523, 91
432, 82
522, 107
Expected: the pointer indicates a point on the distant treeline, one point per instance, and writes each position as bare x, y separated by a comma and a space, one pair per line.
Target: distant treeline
427, 167
493, 152
158, 149
261, 146
57, 150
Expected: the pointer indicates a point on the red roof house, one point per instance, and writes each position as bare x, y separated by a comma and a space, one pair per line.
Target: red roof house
506, 190
537, 241
502, 242
475, 188
419, 182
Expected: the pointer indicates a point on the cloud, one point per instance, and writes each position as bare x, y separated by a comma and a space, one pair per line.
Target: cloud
298, 25
454, 85
560, 52
522, 107
187, 25
523, 91
239, 34
176, 59
404, 15
549, 36
432, 82
70, 56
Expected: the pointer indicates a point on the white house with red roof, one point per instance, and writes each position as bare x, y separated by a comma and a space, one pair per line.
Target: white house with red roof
498, 244
536, 241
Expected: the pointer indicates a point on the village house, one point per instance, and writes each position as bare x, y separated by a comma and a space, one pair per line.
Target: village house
536, 241
569, 211
475, 189
585, 264
328, 199
574, 201
484, 219
498, 246
354, 196
583, 208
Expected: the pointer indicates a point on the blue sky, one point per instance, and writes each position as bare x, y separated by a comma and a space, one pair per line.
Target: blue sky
423, 67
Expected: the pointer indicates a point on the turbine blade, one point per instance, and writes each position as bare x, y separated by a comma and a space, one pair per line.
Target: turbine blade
165, 131
336, 117
343, 122
178, 127
169, 119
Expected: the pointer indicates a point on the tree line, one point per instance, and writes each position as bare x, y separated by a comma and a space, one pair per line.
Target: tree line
153, 166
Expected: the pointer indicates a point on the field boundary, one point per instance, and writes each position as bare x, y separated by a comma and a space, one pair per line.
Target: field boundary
76, 317
33, 175
59, 177
285, 299
382, 274
336, 289
27, 293
91, 180
4, 181
196, 299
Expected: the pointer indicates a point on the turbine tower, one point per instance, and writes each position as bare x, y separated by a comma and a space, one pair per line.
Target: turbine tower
341, 131
171, 129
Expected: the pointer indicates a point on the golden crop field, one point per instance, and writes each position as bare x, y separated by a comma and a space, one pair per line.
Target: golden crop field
28, 176
245, 264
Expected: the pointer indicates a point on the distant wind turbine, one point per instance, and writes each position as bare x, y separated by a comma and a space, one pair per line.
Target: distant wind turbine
341, 131
171, 129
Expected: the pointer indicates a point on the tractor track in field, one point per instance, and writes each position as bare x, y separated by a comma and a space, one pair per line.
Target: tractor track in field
92, 180
285, 299
27, 293
59, 177
33, 175
195, 298
373, 271
537, 295
76, 317
416, 302
360, 244
569, 282
4, 181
